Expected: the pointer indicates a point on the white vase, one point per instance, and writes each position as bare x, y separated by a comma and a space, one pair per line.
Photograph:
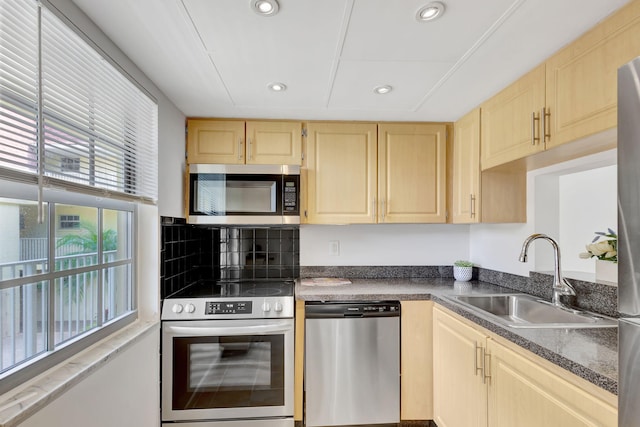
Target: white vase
462, 274
606, 271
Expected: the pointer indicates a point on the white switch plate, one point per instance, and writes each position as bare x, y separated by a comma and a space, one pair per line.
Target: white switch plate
334, 247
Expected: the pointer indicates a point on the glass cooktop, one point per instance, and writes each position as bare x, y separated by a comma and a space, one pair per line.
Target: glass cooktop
237, 289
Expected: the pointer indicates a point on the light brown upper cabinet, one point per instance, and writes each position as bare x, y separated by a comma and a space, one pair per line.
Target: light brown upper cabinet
240, 142
496, 195
466, 169
341, 173
510, 124
412, 163
363, 173
573, 95
581, 79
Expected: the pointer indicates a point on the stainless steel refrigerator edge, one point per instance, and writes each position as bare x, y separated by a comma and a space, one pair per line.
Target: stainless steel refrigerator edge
629, 243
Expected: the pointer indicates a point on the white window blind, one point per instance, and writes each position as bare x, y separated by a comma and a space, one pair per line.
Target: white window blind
85, 108
18, 86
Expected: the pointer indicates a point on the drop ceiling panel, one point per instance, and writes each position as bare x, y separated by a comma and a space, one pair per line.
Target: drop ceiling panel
388, 30
162, 42
355, 80
306, 82
215, 57
230, 29
514, 48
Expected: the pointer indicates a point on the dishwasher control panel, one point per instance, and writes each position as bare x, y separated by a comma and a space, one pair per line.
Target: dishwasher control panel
352, 309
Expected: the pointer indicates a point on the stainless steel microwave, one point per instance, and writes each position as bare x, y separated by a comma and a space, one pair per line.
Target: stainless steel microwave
244, 194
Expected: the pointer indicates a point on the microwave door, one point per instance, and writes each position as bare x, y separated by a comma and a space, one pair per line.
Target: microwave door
251, 197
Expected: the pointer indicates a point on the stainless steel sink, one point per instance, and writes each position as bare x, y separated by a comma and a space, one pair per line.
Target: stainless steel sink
526, 311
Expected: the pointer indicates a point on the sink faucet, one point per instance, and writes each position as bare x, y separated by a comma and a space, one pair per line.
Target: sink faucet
561, 286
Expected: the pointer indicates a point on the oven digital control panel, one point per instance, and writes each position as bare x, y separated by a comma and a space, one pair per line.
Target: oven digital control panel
228, 307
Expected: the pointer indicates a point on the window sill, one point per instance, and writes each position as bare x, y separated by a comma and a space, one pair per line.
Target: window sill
27, 399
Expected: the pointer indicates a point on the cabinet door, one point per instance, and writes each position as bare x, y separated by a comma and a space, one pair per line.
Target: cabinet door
215, 141
466, 169
416, 363
274, 143
460, 395
412, 173
341, 176
529, 391
582, 78
508, 130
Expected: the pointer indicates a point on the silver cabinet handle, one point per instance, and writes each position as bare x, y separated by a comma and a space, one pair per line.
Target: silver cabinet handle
544, 115
472, 205
240, 150
250, 149
477, 366
384, 205
534, 119
486, 367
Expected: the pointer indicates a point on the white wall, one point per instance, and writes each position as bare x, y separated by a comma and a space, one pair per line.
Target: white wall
589, 204
118, 394
552, 203
384, 244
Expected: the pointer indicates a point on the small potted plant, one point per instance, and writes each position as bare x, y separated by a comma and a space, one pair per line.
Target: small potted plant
462, 270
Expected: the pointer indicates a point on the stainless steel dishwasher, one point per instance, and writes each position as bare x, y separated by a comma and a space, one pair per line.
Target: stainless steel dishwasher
352, 363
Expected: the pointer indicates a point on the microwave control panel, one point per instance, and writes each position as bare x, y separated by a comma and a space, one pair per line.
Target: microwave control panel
290, 195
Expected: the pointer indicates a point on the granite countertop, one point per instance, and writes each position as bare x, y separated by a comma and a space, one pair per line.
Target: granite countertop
591, 354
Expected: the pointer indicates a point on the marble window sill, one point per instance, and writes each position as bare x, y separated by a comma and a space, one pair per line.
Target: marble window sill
23, 401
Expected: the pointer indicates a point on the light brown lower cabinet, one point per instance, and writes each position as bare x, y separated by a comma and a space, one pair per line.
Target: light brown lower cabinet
416, 360
483, 380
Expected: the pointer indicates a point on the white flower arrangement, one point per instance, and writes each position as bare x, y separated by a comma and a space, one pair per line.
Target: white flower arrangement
606, 250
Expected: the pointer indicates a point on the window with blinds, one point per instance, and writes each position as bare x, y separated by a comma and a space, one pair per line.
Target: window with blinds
62, 101
69, 118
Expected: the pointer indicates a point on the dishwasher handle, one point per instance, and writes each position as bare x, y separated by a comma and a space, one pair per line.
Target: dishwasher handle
350, 309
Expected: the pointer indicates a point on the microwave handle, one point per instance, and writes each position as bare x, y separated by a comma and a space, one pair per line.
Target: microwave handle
207, 331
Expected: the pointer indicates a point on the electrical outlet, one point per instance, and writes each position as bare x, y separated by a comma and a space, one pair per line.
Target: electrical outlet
334, 247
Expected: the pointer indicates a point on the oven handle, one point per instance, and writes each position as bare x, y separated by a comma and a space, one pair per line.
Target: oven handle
190, 331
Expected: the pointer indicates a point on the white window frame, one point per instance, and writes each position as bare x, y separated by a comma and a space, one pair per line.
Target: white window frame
57, 353
39, 184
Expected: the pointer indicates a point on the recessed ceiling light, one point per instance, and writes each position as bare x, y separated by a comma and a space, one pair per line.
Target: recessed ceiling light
277, 87
381, 90
430, 12
265, 7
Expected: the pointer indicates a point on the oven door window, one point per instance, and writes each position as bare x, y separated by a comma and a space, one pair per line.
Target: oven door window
228, 372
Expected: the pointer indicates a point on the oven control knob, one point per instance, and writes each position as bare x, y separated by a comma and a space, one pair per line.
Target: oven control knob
266, 307
189, 308
277, 307
177, 308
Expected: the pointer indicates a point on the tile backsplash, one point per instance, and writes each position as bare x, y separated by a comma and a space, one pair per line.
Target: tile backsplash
192, 252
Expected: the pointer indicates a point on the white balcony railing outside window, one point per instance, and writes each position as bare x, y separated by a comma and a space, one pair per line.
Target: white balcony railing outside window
24, 310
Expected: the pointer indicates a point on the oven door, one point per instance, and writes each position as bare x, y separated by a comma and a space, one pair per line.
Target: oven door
227, 369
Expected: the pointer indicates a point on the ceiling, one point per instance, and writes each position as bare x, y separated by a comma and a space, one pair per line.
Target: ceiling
215, 58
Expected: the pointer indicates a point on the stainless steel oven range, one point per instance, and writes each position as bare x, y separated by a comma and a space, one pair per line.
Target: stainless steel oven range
227, 355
